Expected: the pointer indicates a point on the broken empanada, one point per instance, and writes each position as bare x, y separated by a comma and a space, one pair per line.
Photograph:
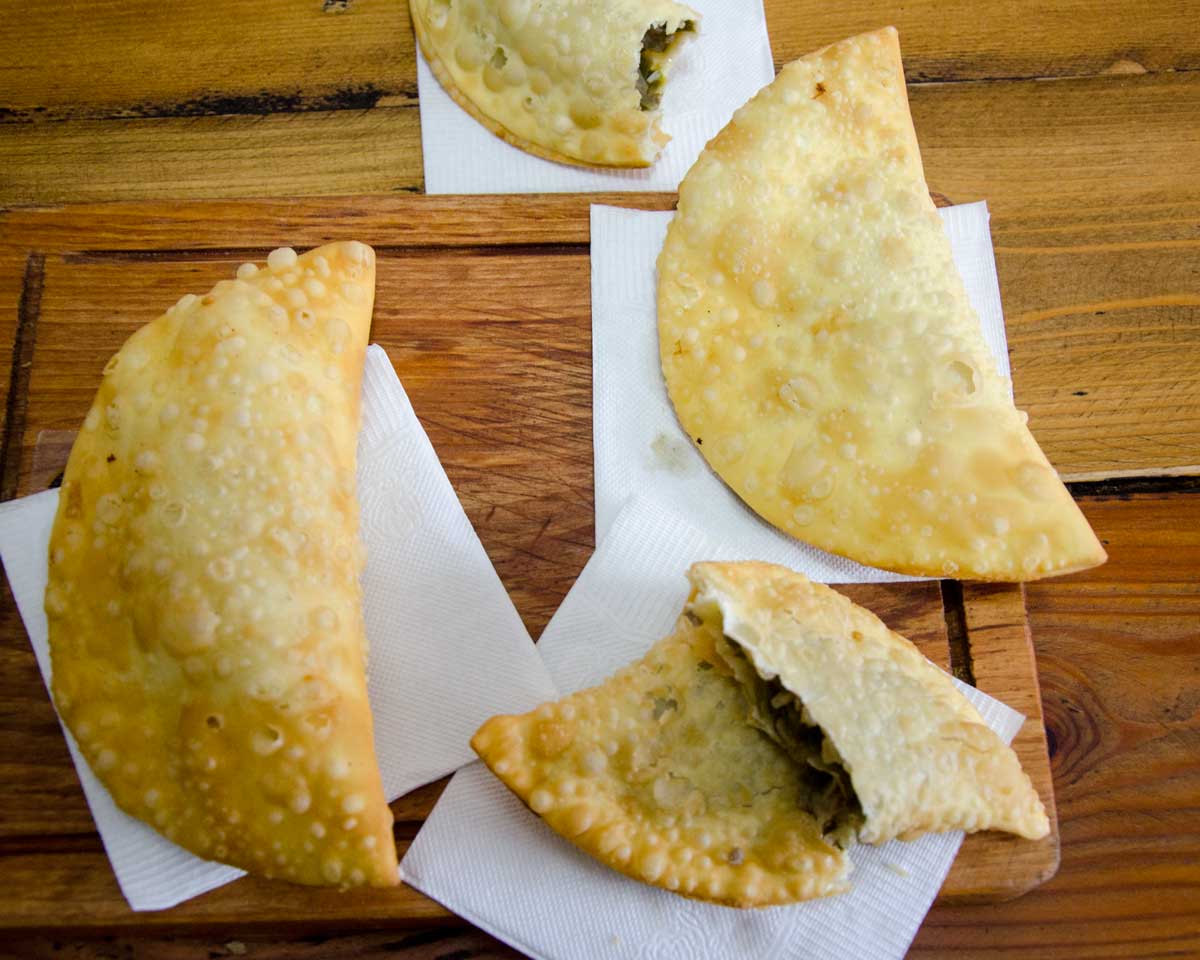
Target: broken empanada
740, 758
819, 347
577, 81
205, 614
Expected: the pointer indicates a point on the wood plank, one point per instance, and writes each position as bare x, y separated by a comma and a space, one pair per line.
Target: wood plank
14, 265
143, 230
1065, 145
1001, 655
447, 942
1103, 319
104, 58
964, 40
139, 58
1025, 146
317, 153
1120, 677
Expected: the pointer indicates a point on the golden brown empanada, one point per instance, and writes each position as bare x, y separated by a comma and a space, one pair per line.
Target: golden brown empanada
920, 757
578, 81
740, 758
819, 347
204, 608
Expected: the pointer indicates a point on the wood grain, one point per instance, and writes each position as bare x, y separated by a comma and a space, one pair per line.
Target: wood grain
144, 231
962, 40
1119, 656
1060, 146
1103, 321
1000, 652
141, 58
275, 154
13, 268
1025, 146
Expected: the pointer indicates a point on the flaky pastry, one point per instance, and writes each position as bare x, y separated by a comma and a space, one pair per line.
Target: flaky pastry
205, 614
819, 347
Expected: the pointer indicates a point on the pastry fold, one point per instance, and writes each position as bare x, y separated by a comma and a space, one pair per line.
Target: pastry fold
205, 614
739, 760
820, 350
577, 81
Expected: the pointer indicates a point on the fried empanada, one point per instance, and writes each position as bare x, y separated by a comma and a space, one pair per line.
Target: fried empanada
577, 81
656, 773
205, 614
920, 757
819, 347
740, 758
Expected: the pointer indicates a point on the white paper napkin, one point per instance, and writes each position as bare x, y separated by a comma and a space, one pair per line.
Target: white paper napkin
487, 858
714, 74
638, 443
447, 649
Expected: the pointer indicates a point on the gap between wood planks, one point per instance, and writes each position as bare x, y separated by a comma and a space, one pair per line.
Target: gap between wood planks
384, 249
28, 309
356, 99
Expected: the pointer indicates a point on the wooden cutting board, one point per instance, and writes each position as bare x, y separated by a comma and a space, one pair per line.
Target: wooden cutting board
483, 307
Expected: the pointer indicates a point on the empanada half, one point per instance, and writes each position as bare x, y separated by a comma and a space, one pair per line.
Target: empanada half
739, 759
576, 81
204, 608
919, 756
657, 774
819, 347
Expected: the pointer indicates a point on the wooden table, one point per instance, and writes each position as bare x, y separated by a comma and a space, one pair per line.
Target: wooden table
1078, 122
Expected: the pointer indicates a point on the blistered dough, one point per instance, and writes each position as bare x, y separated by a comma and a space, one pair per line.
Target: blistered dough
205, 615
920, 758
656, 774
577, 81
741, 758
819, 347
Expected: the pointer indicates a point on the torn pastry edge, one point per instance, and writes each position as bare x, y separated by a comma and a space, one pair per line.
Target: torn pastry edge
655, 134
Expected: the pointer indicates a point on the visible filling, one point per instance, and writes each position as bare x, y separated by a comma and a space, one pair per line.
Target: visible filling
658, 45
827, 792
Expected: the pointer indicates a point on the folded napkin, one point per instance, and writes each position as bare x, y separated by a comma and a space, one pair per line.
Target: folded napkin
447, 647
714, 74
490, 860
638, 443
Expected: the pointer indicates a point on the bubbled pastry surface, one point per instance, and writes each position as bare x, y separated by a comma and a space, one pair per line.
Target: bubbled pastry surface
657, 774
819, 347
920, 757
557, 78
204, 608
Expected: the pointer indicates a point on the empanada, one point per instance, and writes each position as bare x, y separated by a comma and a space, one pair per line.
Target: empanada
740, 758
205, 614
819, 347
577, 81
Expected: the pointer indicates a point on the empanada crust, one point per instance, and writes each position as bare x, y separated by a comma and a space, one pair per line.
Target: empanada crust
556, 79
921, 758
656, 774
819, 347
666, 773
204, 609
